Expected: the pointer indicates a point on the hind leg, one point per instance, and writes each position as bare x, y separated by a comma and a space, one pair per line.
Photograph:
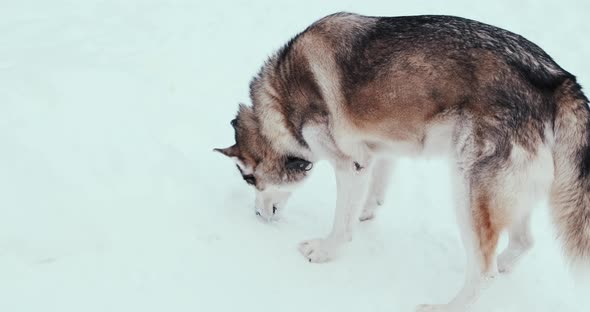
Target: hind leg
481, 221
379, 182
527, 185
520, 241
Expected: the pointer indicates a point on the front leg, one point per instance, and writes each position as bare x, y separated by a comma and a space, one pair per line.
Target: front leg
351, 184
381, 173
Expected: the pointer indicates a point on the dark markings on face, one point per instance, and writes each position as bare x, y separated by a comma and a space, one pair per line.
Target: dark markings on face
249, 178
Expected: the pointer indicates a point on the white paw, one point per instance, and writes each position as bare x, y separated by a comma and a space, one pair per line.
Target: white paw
432, 308
318, 250
510, 257
369, 209
367, 214
506, 263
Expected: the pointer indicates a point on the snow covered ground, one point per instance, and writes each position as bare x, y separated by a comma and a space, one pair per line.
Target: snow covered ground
111, 199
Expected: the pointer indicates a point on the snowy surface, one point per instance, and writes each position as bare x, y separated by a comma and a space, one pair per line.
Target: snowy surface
111, 199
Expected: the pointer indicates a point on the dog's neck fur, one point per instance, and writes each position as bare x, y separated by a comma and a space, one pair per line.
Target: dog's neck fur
273, 128
273, 124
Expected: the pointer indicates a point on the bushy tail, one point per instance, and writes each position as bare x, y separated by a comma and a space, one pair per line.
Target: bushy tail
570, 194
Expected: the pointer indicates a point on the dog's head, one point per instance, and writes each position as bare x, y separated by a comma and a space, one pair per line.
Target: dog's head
272, 174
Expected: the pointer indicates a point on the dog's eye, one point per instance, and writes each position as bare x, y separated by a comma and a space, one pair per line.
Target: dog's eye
250, 179
295, 163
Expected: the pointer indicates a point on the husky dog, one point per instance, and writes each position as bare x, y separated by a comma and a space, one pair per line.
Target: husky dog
358, 90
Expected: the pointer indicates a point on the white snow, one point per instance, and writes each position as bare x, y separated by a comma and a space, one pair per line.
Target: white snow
112, 200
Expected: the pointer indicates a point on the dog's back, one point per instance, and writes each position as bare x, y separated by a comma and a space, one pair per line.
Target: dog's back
416, 69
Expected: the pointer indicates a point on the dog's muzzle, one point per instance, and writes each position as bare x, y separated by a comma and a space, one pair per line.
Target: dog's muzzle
266, 217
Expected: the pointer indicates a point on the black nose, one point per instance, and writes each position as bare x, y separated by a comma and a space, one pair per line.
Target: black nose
257, 213
274, 209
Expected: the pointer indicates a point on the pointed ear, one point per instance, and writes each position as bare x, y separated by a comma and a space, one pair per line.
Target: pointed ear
232, 151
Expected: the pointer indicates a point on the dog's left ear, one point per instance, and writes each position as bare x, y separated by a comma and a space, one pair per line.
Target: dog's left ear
295, 163
232, 151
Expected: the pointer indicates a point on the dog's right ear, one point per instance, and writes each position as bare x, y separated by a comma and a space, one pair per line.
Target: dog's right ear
232, 151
